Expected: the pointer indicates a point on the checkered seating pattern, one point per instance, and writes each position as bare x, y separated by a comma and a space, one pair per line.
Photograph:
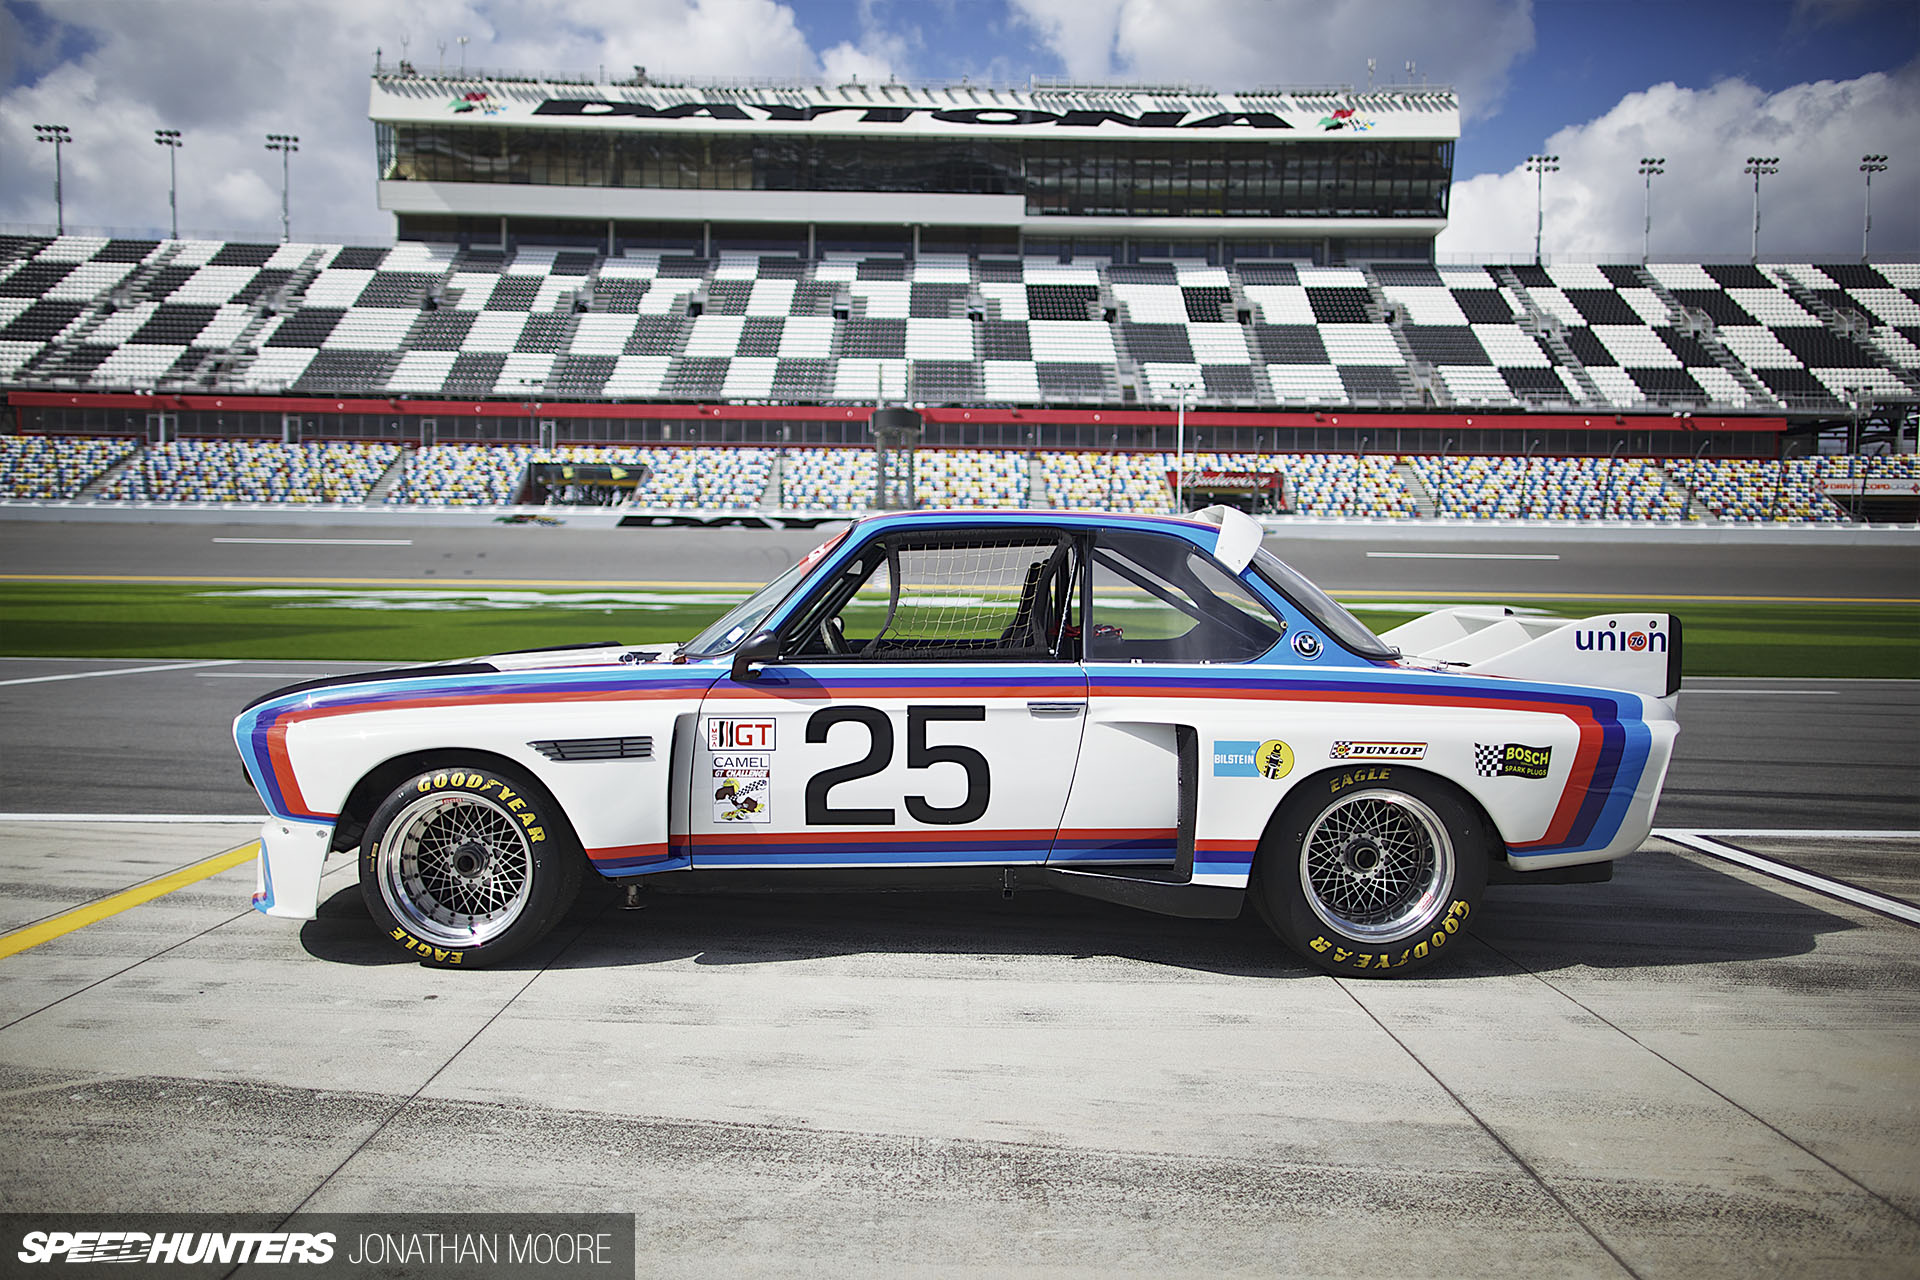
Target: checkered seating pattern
57, 467
970, 478
492, 475
252, 471
1177, 322
828, 479
428, 320
1315, 337
1093, 481
1503, 488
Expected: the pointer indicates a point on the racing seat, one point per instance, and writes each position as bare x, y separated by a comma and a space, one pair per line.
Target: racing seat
1036, 618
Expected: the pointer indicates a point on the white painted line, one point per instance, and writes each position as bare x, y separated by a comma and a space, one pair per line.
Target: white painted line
1461, 555
252, 818
1804, 833
1794, 875
1771, 693
124, 671
322, 542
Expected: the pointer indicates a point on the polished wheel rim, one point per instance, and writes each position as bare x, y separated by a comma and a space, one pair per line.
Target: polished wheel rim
456, 869
1377, 866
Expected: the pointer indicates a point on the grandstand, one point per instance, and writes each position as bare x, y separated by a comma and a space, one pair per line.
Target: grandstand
433, 322
840, 479
1080, 288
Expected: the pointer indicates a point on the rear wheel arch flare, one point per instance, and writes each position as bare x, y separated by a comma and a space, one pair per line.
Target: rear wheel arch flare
1310, 788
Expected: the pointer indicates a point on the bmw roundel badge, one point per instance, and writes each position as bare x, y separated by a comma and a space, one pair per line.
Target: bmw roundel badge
1307, 645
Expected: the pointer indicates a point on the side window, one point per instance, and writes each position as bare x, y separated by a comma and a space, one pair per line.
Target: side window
967, 596
1159, 599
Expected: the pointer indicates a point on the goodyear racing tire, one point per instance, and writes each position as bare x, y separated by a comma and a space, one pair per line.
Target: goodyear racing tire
466, 867
1374, 872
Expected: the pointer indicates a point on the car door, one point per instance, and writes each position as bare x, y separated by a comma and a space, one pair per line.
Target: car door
1165, 622
925, 711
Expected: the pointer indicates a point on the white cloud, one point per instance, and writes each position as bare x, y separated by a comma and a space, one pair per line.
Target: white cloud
1236, 44
1703, 203
880, 54
227, 72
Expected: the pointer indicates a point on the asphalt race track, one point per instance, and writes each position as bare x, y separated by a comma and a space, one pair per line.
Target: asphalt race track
1706, 1067
752, 556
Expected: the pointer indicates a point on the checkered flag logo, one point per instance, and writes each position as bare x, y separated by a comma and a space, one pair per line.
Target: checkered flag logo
1341, 750
1486, 760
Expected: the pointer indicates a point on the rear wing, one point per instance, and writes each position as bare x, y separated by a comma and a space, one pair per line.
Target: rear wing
1639, 652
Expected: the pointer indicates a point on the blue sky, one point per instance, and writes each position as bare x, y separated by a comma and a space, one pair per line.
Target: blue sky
1601, 82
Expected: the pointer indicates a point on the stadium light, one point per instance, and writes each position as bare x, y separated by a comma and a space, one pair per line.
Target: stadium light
1869, 165
1185, 390
286, 144
59, 135
1540, 167
1649, 165
170, 139
1759, 166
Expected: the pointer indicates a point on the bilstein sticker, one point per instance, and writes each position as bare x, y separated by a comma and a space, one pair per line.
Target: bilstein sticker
1270, 759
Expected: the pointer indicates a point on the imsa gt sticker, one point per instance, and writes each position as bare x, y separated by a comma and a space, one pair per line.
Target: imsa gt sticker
1511, 760
740, 735
1345, 750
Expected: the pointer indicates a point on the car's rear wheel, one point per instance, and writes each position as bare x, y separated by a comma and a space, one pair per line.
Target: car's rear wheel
1374, 872
464, 867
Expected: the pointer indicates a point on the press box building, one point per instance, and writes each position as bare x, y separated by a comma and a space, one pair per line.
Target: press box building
1124, 173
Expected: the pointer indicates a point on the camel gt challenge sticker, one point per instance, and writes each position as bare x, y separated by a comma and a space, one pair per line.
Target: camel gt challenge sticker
742, 789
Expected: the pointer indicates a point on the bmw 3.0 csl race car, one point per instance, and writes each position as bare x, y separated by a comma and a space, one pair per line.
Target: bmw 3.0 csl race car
1148, 710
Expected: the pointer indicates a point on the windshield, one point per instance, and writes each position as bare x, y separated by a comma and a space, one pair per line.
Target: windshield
1331, 616
741, 621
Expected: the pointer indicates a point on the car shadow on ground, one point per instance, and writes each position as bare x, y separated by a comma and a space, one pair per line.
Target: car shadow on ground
1659, 910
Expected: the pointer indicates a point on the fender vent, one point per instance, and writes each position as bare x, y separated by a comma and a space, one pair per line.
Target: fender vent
595, 748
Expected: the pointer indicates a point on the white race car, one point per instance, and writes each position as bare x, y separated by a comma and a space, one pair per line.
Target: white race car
1148, 710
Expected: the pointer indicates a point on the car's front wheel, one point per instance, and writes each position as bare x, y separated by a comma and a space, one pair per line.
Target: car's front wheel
468, 866
1373, 872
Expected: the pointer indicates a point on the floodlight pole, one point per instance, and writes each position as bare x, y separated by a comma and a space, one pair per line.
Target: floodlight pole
1540, 167
59, 135
286, 144
1649, 165
1759, 166
170, 139
1869, 165
1186, 390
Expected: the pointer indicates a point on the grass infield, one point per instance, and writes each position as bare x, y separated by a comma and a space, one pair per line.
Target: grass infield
167, 620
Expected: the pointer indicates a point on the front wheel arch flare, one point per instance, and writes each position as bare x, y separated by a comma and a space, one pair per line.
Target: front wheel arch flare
378, 783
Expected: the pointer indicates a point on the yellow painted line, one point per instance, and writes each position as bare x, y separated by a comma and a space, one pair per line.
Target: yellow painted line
1495, 597
94, 912
617, 584
601, 583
